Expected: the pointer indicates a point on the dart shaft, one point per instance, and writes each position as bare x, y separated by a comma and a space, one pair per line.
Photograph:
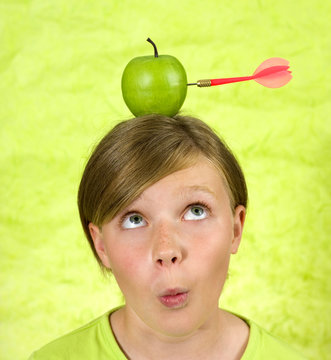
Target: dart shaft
229, 80
213, 82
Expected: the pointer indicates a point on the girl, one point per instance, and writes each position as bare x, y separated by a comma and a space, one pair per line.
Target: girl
162, 202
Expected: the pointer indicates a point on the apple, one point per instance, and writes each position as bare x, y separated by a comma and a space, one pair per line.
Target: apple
154, 84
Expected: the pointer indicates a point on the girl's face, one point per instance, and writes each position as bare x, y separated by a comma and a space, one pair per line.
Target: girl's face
170, 249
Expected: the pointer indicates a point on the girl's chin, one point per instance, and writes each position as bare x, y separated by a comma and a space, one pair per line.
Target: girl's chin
180, 323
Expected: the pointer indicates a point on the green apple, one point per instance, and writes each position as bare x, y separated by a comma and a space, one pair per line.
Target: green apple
154, 84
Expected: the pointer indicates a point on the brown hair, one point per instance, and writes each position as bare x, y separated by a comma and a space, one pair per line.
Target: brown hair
138, 152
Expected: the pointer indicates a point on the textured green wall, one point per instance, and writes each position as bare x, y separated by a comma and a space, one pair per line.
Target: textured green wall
60, 69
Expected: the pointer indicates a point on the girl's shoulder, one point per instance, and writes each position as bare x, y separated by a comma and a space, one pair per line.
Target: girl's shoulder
262, 345
93, 340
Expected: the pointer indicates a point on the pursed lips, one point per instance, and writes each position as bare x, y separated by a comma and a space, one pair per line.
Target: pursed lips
174, 297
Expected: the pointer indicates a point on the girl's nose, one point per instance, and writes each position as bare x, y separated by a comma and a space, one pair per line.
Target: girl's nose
166, 244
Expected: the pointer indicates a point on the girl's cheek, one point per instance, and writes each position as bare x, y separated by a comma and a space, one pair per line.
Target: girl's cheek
127, 259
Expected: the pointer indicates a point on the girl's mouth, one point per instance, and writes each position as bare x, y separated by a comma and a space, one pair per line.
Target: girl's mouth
174, 298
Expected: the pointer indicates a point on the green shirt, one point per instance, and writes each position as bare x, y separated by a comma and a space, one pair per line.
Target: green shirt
96, 341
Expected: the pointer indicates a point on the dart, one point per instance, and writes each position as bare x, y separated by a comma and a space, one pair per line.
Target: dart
272, 73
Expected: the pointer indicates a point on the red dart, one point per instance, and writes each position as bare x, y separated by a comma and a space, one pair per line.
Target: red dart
272, 73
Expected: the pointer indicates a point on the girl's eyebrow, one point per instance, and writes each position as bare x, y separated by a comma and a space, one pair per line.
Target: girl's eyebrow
200, 188
183, 192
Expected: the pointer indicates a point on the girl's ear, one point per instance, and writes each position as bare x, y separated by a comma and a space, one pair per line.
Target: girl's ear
238, 226
99, 245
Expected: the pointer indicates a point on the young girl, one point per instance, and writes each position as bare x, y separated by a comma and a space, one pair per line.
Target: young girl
162, 202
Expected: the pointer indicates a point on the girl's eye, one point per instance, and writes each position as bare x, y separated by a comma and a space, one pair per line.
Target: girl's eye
196, 212
133, 221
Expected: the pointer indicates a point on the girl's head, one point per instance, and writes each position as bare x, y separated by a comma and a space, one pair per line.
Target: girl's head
139, 152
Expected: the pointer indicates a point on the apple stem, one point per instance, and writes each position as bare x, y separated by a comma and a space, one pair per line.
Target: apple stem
155, 49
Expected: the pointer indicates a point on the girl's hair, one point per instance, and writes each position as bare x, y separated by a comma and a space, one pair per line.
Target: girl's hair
138, 152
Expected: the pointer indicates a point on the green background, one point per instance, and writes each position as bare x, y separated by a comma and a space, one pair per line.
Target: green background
60, 70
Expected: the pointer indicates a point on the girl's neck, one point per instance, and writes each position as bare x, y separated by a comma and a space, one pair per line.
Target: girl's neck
223, 335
